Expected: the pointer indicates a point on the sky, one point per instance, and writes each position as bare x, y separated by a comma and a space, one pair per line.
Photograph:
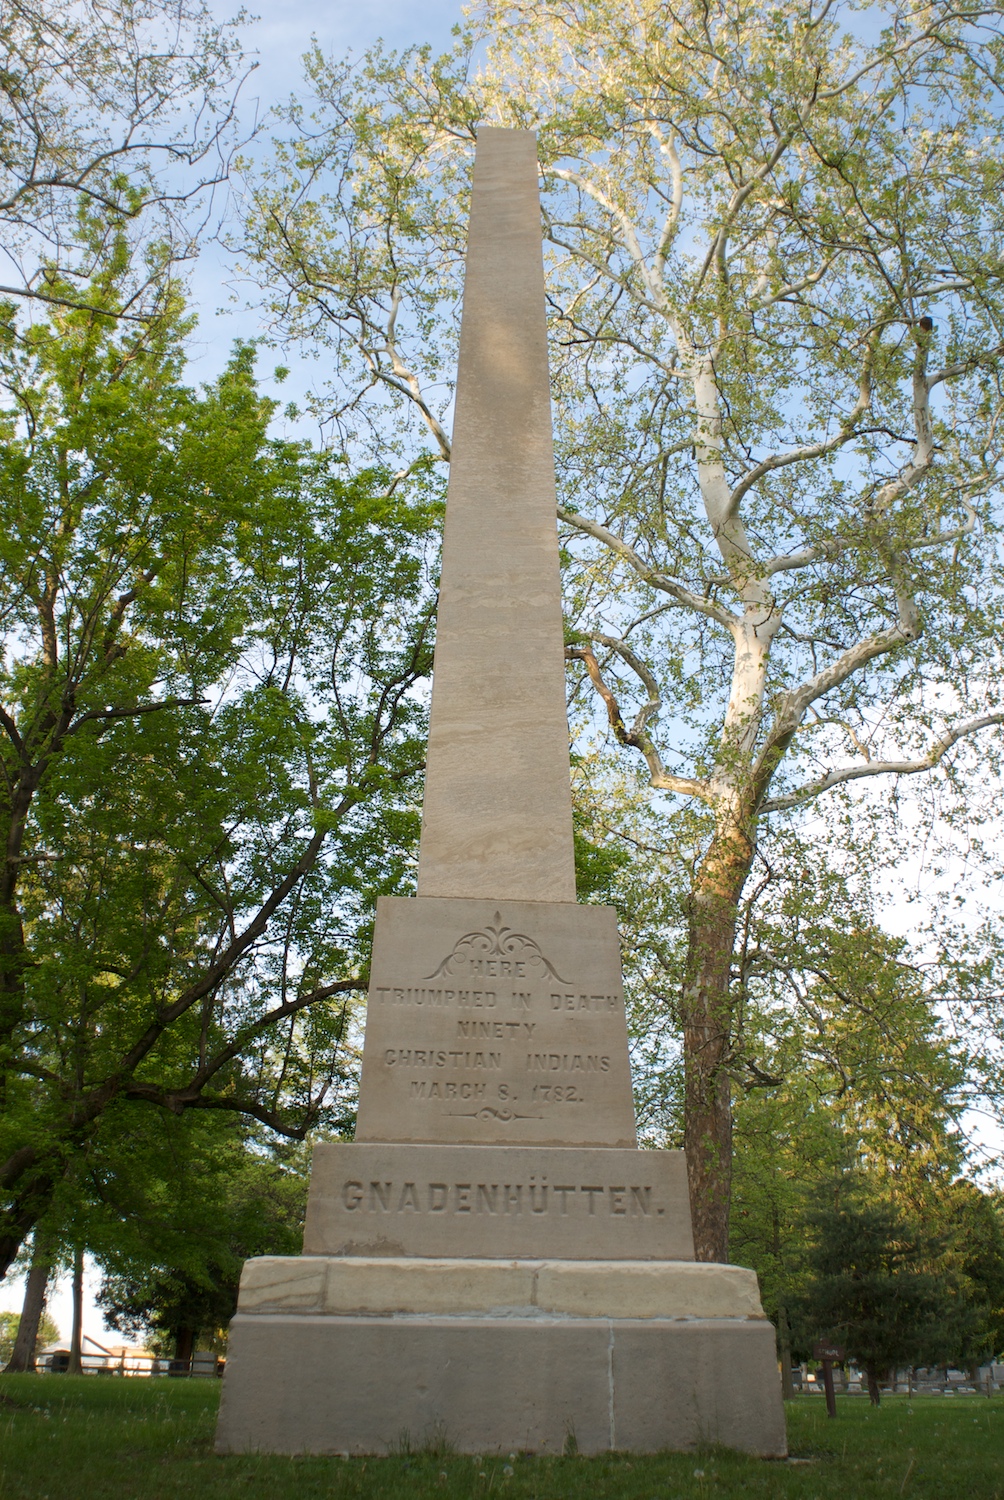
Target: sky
280, 37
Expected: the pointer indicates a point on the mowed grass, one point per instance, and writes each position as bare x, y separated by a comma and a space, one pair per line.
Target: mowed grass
87, 1438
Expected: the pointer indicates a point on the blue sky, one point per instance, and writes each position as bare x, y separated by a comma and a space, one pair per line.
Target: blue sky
279, 37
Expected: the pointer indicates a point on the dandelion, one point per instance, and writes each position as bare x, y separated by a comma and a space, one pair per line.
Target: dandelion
508, 1470
698, 1473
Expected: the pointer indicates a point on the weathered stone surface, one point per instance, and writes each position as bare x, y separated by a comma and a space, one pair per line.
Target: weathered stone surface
301, 1384
495, 1022
384, 1286
283, 1283
497, 815
498, 1201
646, 1289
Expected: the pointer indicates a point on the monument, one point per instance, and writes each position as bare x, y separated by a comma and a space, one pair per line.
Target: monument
492, 1262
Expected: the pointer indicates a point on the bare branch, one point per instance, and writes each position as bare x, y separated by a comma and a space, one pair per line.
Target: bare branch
651, 576
637, 737
883, 767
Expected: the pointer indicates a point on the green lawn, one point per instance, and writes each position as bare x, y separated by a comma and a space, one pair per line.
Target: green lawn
65, 1438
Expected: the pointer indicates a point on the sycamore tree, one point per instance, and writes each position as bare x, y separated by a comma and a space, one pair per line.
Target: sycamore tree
125, 108
774, 240
210, 732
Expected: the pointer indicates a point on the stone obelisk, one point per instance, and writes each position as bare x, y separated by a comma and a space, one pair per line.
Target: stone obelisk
492, 1261
497, 815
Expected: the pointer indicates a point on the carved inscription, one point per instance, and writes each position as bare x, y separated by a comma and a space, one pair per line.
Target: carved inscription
562, 1199
500, 1032
496, 950
508, 1100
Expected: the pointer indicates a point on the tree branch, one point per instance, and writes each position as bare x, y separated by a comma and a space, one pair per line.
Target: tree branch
637, 737
288, 1008
131, 713
649, 575
883, 767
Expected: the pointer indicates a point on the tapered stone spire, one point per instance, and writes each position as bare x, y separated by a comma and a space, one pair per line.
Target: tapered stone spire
497, 819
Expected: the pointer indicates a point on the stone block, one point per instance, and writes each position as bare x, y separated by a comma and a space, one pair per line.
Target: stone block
498, 1201
495, 1022
299, 1384
384, 1285
282, 1283
697, 1384
646, 1289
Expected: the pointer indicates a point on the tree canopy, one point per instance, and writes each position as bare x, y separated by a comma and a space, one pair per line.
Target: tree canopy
210, 736
123, 110
774, 279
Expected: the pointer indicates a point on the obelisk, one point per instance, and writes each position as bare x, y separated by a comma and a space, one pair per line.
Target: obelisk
492, 1261
497, 814
496, 869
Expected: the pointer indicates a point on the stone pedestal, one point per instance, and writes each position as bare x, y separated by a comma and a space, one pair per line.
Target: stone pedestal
332, 1355
498, 1298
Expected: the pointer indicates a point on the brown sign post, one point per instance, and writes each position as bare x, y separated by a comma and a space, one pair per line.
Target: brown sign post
830, 1354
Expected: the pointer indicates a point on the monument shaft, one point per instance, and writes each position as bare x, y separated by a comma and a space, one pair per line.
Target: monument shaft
497, 816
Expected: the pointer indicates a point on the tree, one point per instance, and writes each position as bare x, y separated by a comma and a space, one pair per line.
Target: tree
210, 732
10, 1323
874, 1285
178, 1212
122, 108
972, 1221
21, 1356
776, 296
849, 1062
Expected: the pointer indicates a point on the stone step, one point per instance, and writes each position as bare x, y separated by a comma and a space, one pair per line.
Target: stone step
300, 1383
383, 1286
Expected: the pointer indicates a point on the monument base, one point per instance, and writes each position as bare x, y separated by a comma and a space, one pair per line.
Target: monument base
356, 1356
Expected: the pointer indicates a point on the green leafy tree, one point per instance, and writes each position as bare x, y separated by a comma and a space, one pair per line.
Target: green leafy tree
176, 1207
873, 1284
972, 1222
849, 1060
776, 294
210, 735
10, 1322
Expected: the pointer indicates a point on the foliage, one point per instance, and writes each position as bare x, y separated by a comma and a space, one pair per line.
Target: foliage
973, 1223
876, 1283
210, 731
123, 109
181, 1204
10, 1322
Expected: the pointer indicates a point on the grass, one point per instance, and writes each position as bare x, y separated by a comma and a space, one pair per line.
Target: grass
110, 1439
